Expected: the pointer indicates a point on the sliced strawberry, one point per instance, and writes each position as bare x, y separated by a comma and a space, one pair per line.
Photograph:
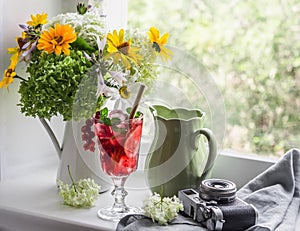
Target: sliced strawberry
132, 143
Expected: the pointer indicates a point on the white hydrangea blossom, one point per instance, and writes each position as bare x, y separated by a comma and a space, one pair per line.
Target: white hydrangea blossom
83, 193
162, 210
88, 26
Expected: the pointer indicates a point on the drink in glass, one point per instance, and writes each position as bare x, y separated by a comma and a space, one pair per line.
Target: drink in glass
118, 144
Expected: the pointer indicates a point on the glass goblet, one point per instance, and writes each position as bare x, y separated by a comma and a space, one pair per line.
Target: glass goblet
118, 145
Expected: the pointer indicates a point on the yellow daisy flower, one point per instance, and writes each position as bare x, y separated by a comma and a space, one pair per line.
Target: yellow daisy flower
14, 59
8, 78
159, 42
57, 39
39, 19
122, 50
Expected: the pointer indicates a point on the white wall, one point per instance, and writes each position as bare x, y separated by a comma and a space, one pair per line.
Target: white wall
23, 141
1, 68
117, 13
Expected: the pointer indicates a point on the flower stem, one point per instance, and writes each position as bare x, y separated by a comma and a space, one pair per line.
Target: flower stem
161, 196
19, 77
73, 183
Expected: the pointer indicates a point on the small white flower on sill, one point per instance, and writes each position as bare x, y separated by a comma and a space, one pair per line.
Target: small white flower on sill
162, 210
81, 194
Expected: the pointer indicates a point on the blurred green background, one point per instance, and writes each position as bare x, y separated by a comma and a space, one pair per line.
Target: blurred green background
251, 48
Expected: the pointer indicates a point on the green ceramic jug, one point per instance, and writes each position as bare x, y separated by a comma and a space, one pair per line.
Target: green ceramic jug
179, 158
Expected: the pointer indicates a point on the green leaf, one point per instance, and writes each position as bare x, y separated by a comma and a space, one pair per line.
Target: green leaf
81, 44
104, 113
138, 114
128, 110
107, 121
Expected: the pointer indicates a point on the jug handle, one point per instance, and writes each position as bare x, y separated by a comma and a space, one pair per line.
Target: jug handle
212, 147
52, 136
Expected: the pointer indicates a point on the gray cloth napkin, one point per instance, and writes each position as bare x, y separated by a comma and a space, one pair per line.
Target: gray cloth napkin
275, 194
137, 222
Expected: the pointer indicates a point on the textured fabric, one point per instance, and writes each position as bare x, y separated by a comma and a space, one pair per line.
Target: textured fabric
275, 194
139, 222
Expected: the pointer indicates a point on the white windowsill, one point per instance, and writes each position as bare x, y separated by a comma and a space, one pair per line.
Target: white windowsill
30, 202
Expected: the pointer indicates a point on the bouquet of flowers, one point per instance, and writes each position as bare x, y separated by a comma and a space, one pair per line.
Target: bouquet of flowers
73, 52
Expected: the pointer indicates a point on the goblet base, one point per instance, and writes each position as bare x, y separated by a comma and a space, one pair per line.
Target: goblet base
111, 214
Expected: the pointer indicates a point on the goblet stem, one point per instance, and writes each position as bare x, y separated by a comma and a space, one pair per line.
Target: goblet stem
119, 193
119, 209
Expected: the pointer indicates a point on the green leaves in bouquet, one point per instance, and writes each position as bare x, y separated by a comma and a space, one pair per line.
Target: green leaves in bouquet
52, 84
81, 44
85, 101
81, 8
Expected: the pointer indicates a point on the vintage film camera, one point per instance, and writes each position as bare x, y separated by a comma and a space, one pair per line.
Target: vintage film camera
216, 206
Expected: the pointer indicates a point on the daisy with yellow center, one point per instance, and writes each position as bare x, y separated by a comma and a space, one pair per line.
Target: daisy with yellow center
39, 19
57, 39
122, 50
158, 43
8, 77
124, 93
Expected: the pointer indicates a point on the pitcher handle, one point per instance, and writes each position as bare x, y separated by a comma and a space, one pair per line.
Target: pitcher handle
212, 147
52, 137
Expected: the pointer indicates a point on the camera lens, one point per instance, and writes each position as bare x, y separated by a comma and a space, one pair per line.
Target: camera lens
219, 190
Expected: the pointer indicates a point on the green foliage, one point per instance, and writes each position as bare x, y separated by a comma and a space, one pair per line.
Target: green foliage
52, 84
85, 101
81, 8
81, 44
252, 47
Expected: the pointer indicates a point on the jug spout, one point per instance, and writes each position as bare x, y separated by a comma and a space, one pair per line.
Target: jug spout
52, 137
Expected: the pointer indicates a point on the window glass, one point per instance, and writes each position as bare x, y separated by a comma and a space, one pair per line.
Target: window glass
251, 48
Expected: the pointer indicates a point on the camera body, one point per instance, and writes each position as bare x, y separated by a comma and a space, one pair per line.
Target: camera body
216, 206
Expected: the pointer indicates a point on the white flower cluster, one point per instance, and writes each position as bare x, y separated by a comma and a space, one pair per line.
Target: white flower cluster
162, 210
83, 193
88, 26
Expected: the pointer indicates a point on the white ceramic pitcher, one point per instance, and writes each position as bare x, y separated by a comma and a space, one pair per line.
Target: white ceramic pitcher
82, 164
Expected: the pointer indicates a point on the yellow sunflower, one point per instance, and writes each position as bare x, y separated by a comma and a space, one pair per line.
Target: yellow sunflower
57, 39
159, 42
122, 50
8, 77
39, 19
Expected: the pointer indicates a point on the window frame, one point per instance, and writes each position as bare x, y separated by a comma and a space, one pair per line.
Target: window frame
240, 168
246, 166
